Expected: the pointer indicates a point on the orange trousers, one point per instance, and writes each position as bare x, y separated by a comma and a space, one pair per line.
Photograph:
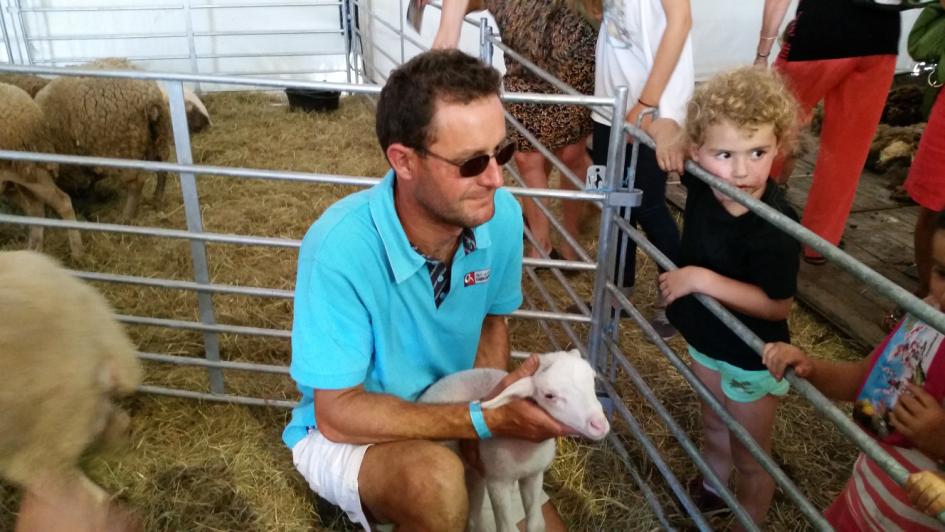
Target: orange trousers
854, 91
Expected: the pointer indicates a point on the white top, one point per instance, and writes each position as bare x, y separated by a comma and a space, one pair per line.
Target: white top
629, 37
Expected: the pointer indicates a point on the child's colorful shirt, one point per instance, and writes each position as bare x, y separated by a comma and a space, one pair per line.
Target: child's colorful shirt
913, 352
872, 501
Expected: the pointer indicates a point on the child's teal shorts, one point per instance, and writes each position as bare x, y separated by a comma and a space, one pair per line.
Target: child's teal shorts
740, 384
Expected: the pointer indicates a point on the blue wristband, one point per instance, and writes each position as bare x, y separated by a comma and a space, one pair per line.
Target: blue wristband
479, 421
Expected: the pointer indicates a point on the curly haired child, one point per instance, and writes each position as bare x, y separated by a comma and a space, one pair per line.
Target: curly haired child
899, 398
737, 122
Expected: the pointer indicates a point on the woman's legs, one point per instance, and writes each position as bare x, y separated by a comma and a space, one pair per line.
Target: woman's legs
575, 157
854, 92
531, 166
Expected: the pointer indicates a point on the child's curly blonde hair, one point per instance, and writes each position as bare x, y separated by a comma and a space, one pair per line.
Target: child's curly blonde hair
747, 97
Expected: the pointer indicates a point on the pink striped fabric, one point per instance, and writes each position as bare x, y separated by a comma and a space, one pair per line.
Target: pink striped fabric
872, 501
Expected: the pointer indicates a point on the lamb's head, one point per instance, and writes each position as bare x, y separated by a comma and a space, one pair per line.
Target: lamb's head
564, 387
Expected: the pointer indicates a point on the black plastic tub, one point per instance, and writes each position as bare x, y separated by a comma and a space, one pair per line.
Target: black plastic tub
312, 99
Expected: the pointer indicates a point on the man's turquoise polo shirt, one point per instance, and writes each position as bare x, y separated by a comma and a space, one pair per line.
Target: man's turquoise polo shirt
364, 307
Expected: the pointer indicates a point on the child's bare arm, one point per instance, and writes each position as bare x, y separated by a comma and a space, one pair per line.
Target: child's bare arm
678, 24
743, 297
927, 489
919, 417
837, 380
774, 11
451, 21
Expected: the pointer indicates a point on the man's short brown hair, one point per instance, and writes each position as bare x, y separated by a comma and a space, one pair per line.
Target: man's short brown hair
407, 102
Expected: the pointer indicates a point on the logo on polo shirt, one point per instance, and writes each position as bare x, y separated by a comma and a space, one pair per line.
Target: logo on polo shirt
477, 277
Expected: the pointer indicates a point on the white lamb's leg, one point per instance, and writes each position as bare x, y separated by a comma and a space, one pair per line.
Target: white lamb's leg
500, 494
476, 487
530, 488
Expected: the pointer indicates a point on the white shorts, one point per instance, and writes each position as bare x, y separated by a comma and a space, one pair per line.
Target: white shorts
331, 470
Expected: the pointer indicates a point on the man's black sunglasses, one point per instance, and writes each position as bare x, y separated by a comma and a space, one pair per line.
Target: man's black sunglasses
476, 165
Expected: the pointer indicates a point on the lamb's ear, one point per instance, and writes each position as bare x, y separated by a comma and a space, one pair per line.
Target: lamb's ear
520, 389
574, 352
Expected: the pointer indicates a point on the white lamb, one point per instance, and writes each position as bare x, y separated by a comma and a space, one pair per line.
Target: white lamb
564, 387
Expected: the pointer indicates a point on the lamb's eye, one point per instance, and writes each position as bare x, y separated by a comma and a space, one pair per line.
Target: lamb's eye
549, 396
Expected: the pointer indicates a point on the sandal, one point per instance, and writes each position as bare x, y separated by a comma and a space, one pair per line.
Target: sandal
707, 502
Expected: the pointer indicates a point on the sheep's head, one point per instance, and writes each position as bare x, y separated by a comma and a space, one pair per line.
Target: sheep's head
564, 387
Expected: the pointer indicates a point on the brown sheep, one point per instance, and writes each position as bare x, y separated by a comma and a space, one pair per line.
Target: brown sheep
64, 359
32, 185
28, 82
101, 117
198, 118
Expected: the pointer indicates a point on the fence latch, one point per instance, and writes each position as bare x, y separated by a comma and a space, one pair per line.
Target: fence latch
629, 198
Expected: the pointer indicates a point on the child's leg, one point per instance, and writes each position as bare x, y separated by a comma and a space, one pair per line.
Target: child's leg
754, 486
716, 442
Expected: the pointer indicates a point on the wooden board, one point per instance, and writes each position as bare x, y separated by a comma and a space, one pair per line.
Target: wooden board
879, 234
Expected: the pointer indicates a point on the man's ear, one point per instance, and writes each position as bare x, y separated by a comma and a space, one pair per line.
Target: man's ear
403, 160
520, 389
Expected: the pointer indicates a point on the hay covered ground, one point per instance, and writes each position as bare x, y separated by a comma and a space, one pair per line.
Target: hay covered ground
202, 466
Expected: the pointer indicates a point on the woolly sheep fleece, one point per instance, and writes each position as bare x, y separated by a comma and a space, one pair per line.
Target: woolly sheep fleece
63, 358
28, 82
122, 118
23, 128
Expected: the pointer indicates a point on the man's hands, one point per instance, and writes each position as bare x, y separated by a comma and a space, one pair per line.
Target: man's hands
919, 417
779, 356
927, 489
684, 281
521, 418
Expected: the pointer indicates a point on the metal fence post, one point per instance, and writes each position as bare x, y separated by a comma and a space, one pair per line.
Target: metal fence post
346, 34
191, 42
485, 45
198, 249
606, 238
5, 36
26, 48
403, 50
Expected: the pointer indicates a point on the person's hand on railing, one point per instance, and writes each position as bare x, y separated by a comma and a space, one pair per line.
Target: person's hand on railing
682, 282
635, 113
670, 145
919, 417
927, 490
779, 356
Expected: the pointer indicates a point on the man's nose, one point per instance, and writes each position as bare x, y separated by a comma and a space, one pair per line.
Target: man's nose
492, 176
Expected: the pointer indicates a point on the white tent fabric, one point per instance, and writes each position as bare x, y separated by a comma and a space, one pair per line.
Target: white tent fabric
724, 33
723, 36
